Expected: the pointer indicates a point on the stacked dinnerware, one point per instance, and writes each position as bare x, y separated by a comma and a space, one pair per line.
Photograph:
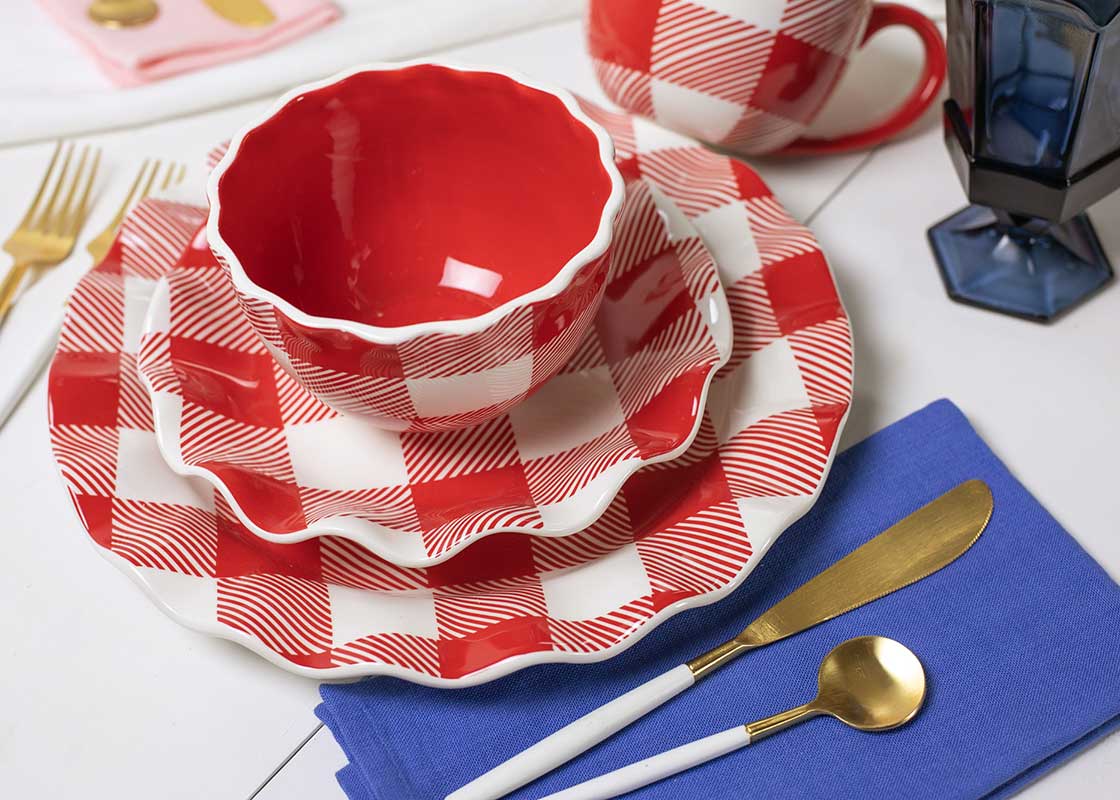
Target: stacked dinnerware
447, 382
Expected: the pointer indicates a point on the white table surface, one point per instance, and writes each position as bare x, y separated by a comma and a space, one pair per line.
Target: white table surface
104, 696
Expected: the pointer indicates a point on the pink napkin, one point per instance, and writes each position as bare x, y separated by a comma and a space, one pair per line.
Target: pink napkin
187, 35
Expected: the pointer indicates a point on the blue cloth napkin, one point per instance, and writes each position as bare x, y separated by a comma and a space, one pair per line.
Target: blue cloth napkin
1020, 639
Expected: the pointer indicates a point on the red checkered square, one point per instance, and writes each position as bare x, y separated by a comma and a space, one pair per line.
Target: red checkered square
642, 304
85, 388
241, 554
497, 499
271, 502
333, 351
501, 556
475, 618
239, 386
817, 70
693, 488
648, 425
631, 20
805, 276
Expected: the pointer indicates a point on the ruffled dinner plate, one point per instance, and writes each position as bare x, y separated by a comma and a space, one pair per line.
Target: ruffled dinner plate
680, 534
291, 468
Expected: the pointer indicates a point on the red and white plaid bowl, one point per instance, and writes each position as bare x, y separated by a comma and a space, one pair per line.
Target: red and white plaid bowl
420, 243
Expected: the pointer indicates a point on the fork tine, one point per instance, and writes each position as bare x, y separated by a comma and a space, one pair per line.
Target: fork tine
78, 218
61, 219
26, 221
167, 177
151, 181
119, 218
43, 223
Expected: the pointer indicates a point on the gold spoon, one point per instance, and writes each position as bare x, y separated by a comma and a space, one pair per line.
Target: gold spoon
870, 683
123, 13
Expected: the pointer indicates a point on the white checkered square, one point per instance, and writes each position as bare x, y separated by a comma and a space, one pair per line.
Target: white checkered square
356, 613
142, 474
760, 14
705, 116
597, 588
574, 407
462, 393
775, 383
137, 295
362, 456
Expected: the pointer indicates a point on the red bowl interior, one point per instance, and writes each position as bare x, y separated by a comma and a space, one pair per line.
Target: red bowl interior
404, 196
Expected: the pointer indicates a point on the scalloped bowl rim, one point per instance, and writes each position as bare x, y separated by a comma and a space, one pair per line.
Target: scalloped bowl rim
374, 334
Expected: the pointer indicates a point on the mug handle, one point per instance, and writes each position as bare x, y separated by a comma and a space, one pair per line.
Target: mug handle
923, 94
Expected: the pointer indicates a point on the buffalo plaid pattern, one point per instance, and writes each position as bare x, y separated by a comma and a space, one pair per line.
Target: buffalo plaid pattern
680, 534
436, 382
291, 467
745, 75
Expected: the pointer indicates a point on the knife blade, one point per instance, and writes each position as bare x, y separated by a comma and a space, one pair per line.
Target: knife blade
915, 547
250, 13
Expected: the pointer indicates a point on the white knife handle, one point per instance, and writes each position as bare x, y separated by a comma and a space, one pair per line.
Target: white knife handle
571, 740
656, 768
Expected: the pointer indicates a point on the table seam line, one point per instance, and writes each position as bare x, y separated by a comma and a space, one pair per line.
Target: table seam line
318, 727
840, 187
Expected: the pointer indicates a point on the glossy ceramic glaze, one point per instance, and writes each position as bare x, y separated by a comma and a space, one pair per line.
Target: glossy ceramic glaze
681, 534
751, 75
292, 468
421, 243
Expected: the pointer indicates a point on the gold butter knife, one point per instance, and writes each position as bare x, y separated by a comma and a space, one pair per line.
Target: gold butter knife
911, 549
250, 13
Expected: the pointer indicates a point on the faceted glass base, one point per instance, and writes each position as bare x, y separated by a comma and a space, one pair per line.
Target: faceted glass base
1027, 268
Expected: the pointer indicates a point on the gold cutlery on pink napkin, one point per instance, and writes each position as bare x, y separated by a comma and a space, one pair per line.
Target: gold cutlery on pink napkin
154, 39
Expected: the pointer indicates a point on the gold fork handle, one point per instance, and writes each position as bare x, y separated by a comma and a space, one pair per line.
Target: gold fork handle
8, 289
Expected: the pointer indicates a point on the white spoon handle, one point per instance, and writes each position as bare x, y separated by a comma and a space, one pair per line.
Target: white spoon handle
656, 768
568, 742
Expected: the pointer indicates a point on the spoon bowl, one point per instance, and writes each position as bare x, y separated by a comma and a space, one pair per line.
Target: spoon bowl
123, 13
871, 683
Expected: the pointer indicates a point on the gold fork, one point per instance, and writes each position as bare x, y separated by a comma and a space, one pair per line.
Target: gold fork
145, 181
141, 188
46, 234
